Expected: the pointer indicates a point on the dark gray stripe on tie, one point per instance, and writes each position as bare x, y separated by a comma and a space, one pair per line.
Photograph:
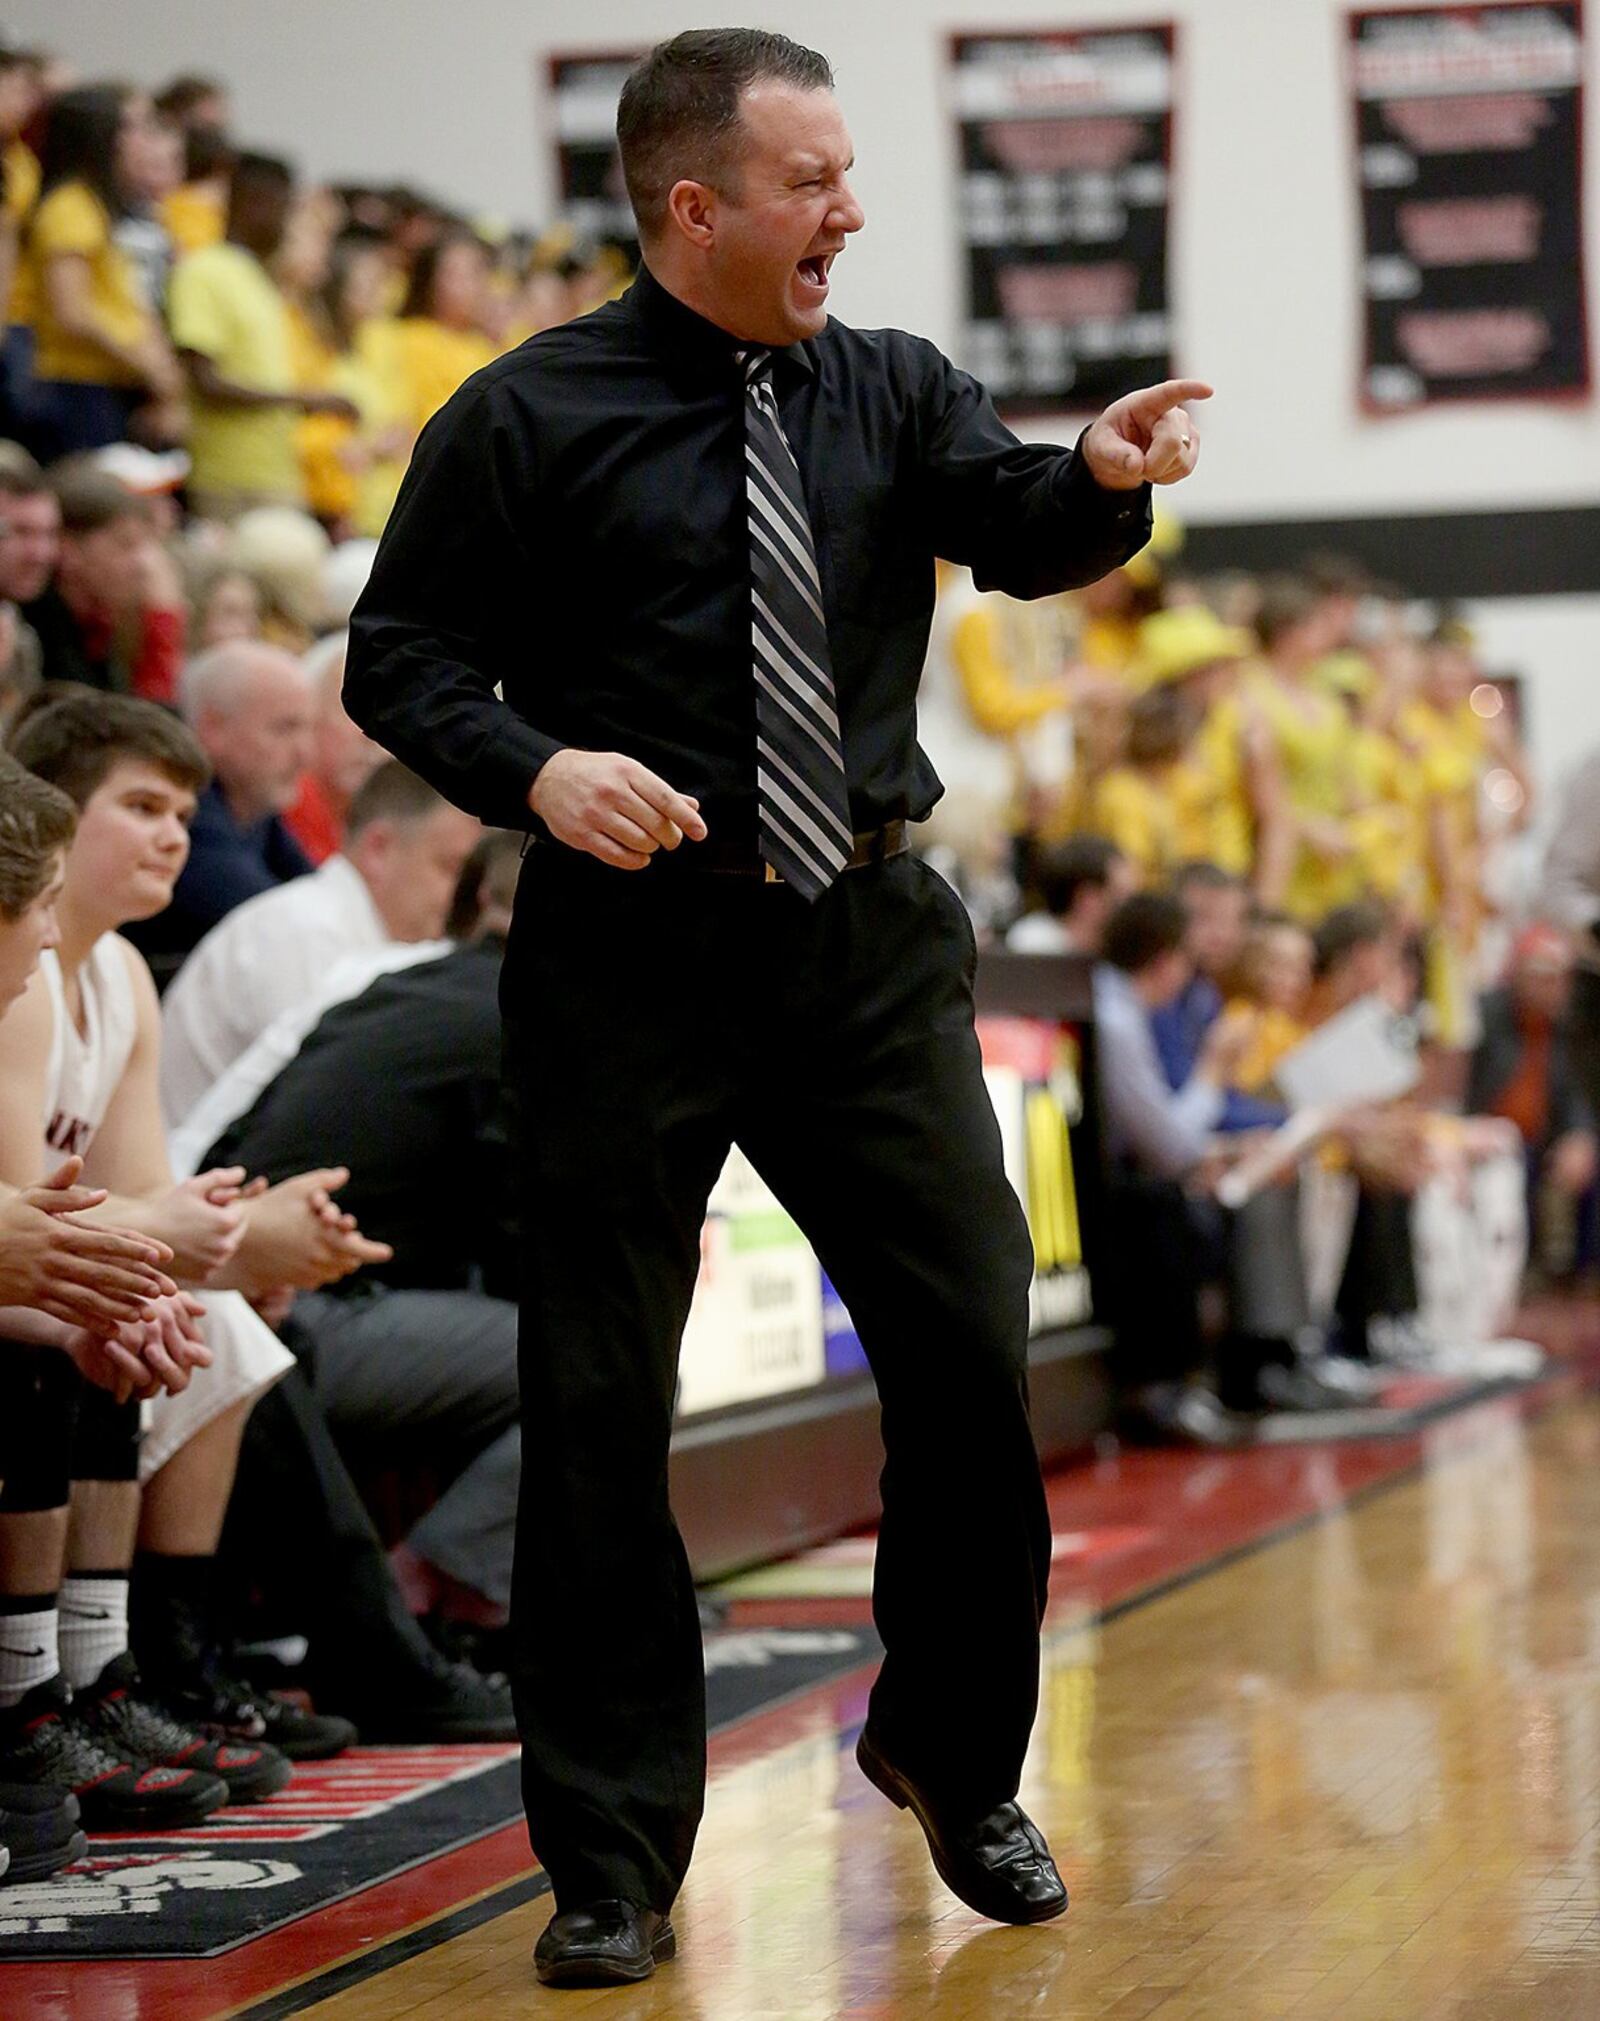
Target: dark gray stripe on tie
774, 493
790, 706
763, 513
783, 641
782, 832
803, 590
827, 846
775, 758
795, 684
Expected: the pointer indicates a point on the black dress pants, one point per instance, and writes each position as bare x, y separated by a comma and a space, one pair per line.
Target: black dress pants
653, 1018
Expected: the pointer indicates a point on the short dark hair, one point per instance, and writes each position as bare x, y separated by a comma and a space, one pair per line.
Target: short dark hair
36, 821
679, 111
392, 793
488, 876
1143, 928
1199, 874
91, 498
178, 99
1345, 929
1063, 869
1160, 724
1286, 601
73, 740
20, 476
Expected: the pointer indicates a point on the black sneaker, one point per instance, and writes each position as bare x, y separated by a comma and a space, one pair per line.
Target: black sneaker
207, 1697
116, 1711
39, 1829
451, 1702
42, 1744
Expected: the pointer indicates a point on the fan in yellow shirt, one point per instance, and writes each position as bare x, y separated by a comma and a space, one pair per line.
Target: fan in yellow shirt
437, 342
231, 322
1308, 862
99, 353
196, 213
1135, 805
1272, 992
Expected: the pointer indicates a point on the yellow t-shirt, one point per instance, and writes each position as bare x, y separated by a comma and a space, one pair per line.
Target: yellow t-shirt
72, 219
1138, 812
1211, 793
1275, 1034
370, 376
1313, 735
22, 193
432, 361
224, 304
193, 217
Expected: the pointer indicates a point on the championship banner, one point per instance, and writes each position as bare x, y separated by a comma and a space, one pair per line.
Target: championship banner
1468, 123
583, 96
1066, 157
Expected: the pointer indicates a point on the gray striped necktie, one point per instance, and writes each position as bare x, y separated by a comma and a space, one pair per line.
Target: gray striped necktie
806, 837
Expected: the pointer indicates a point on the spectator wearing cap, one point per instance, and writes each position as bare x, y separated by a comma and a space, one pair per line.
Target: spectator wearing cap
1522, 1071
343, 757
230, 323
114, 615
249, 705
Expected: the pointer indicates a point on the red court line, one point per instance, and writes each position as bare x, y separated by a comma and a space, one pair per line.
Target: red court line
1173, 1513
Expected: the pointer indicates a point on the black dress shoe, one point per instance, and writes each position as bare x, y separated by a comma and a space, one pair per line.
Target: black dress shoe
998, 1864
603, 1944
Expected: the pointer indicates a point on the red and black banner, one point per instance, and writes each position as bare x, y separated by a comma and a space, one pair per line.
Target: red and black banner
1468, 124
590, 191
1066, 162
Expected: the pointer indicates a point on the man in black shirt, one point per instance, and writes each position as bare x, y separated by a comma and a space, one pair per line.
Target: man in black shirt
690, 539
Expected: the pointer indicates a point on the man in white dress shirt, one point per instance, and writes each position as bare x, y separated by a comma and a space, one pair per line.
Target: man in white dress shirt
404, 848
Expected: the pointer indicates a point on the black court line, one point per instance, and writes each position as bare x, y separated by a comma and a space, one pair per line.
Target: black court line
515, 1894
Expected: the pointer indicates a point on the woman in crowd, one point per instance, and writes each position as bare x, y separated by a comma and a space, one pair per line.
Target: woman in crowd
354, 468
438, 340
103, 367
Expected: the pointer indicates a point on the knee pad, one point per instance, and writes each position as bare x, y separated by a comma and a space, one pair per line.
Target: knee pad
106, 1447
39, 1394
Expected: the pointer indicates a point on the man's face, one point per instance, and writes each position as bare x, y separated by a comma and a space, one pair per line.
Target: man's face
412, 867
262, 743
1216, 926
105, 569
30, 544
131, 844
1096, 902
24, 939
778, 227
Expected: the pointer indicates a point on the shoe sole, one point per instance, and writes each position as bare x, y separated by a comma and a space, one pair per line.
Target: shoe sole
891, 1784
257, 1784
48, 1860
597, 1971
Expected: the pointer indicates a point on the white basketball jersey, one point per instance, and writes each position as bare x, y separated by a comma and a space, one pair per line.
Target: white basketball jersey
87, 1064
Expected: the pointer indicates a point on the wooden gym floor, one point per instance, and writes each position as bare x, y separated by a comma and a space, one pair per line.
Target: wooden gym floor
1341, 1757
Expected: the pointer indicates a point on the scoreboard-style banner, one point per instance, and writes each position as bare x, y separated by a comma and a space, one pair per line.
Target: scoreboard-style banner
1066, 162
1468, 123
583, 98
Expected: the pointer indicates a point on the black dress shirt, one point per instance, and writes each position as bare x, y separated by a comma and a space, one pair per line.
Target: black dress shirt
402, 1085
573, 530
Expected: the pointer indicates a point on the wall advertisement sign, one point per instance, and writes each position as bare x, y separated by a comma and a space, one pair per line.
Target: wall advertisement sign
583, 94
1468, 123
1065, 142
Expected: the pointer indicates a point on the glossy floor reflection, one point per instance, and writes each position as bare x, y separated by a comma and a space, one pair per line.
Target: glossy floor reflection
1355, 1773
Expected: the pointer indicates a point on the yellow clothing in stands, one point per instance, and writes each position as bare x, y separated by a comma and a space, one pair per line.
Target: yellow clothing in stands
1211, 793
330, 485
369, 376
1275, 1034
1002, 697
1312, 735
225, 305
21, 168
1110, 645
1389, 826
73, 220
194, 217
1137, 811
432, 361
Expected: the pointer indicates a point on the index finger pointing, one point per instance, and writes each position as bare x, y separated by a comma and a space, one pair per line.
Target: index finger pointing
1151, 402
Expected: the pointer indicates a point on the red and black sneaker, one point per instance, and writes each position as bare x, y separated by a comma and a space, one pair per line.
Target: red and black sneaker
39, 1829
41, 1743
116, 1712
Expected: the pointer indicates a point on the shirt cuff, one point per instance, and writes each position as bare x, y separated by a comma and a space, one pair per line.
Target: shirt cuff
1129, 513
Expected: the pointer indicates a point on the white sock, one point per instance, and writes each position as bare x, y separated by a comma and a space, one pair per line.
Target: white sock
27, 1653
94, 1625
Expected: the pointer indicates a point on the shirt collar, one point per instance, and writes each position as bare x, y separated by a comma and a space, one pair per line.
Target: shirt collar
695, 346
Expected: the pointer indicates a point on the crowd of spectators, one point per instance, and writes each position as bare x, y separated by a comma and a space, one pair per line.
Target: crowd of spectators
257, 1383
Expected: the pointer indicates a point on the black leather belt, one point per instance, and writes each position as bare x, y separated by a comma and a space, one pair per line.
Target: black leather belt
877, 845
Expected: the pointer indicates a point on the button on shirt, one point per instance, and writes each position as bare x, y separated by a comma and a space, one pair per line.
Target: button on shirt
573, 529
268, 955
